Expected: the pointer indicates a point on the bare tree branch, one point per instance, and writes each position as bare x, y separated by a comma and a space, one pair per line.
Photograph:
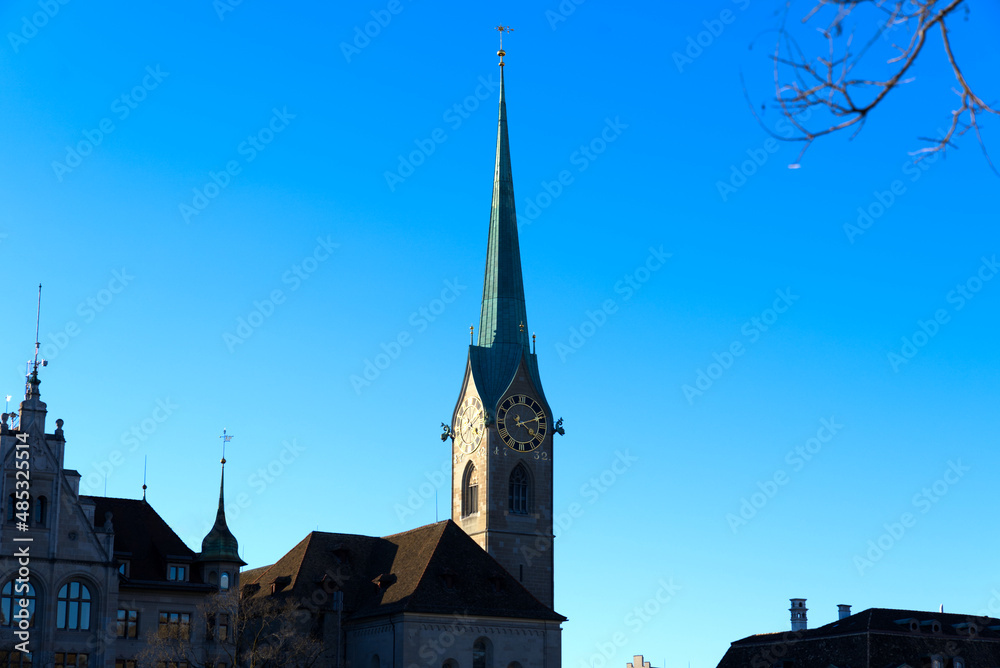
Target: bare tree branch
831, 83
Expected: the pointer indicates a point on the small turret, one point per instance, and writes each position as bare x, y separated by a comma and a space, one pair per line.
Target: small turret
220, 551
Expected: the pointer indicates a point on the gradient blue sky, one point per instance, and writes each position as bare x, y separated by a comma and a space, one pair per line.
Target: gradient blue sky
367, 460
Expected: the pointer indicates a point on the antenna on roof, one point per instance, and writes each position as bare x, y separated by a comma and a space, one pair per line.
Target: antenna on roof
38, 320
145, 460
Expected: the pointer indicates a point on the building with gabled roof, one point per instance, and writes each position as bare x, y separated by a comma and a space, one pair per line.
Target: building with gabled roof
92, 576
876, 638
424, 595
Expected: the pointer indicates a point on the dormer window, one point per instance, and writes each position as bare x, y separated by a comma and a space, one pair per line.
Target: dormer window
177, 573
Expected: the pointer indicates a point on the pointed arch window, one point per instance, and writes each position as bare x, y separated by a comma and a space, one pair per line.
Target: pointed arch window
9, 602
520, 491
470, 491
73, 607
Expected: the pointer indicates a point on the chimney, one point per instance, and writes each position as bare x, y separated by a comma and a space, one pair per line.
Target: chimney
843, 611
799, 610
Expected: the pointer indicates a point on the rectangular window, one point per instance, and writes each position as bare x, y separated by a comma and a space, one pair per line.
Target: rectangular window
175, 625
125, 663
70, 660
15, 659
177, 573
217, 628
128, 624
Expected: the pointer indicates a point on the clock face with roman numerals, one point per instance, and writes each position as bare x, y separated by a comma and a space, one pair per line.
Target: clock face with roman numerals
522, 423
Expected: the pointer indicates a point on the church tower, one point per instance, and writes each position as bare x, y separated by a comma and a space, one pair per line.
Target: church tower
502, 427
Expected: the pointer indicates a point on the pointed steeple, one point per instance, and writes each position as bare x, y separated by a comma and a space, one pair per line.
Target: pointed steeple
503, 319
220, 544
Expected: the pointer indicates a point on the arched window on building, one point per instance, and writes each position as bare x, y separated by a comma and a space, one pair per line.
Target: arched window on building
16, 513
470, 491
450, 663
9, 597
375, 662
41, 510
482, 653
224, 582
520, 491
73, 607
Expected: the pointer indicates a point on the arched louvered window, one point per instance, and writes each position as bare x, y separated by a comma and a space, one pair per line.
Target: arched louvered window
520, 491
470, 491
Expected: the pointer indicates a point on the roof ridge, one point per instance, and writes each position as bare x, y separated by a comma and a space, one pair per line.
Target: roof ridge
437, 544
419, 528
305, 549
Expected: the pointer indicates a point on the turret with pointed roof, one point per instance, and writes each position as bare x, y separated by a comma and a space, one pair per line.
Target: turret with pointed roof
220, 551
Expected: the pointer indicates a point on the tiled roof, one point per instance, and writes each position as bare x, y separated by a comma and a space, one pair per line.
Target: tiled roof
140, 531
875, 638
436, 568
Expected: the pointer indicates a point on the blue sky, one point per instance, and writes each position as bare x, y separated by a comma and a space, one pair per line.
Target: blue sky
239, 175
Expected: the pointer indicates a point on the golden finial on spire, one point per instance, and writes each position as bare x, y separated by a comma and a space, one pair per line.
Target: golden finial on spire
501, 52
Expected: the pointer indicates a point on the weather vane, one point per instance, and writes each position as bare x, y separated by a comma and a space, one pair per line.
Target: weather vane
225, 439
501, 52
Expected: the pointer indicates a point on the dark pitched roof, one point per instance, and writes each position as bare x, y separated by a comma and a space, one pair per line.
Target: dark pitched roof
146, 540
876, 638
436, 568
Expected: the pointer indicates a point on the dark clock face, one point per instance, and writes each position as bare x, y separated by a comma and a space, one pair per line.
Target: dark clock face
522, 423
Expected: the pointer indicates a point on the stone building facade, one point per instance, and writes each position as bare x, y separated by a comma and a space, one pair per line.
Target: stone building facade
85, 580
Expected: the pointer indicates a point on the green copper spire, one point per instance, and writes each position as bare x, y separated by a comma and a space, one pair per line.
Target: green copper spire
220, 543
503, 319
